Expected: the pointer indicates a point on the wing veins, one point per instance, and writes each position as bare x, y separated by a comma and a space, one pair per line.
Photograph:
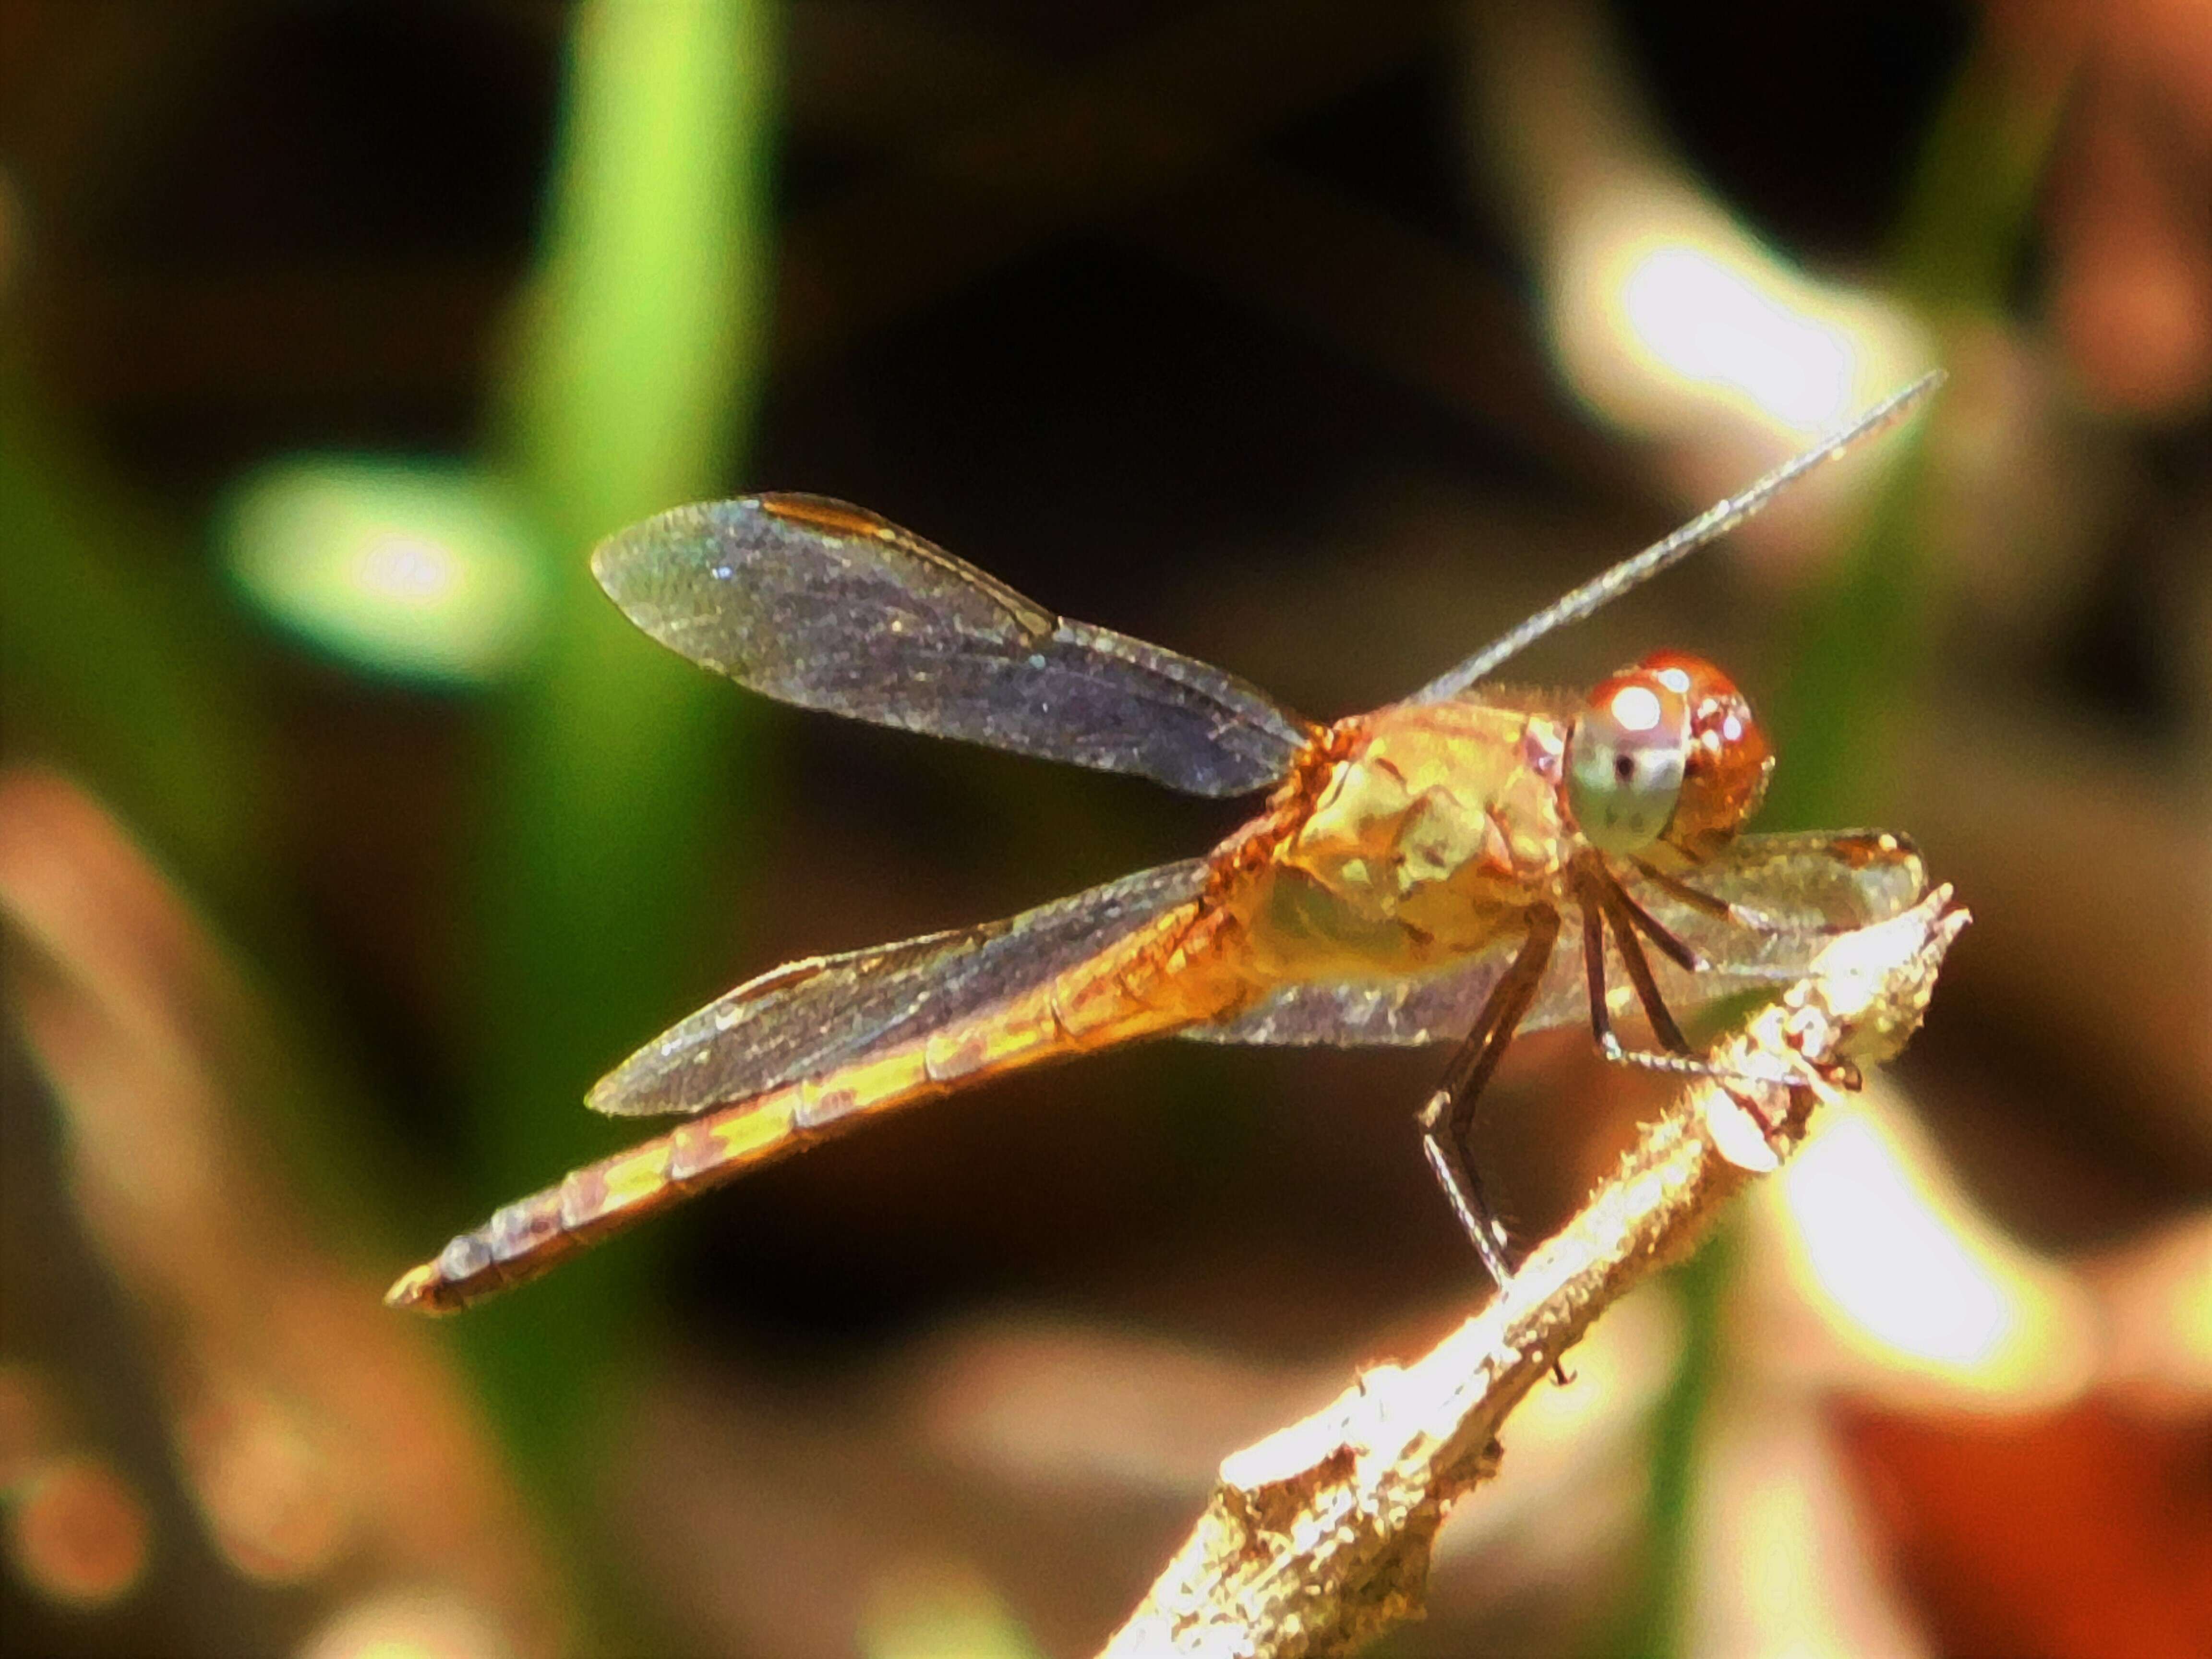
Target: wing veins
809, 1018
829, 607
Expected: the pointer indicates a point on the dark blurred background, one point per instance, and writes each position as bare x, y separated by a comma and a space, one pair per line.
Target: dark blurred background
346, 834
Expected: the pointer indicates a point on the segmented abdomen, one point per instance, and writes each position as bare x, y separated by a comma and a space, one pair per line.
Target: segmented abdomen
1172, 972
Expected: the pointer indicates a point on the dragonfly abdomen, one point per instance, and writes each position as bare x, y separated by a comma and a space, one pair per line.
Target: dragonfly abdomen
1171, 972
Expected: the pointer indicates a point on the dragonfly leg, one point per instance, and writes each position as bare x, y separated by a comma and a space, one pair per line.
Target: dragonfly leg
1663, 939
1447, 1118
1604, 902
1699, 899
1601, 1015
1675, 888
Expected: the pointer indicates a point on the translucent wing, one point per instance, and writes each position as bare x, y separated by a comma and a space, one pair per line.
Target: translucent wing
806, 1019
828, 606
1437, 1007
1793, 893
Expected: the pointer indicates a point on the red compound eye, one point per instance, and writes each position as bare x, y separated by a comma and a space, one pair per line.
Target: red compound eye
1727, 759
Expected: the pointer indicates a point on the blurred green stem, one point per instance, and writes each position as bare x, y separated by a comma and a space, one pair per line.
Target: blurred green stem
1861, 637
639, 361
1862, 647
112, 660
1655, 1625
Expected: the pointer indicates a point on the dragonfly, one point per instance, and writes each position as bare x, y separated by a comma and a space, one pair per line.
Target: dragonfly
1458, 866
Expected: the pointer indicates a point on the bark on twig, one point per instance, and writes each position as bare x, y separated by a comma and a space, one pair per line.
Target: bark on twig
1317, 1539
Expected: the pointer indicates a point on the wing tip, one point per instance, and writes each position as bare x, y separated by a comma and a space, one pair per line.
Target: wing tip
644, 1085
620, 553
616, 1095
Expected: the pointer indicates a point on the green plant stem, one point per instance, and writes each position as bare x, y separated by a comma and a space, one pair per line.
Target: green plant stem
114, 664
1863, 638
609, 774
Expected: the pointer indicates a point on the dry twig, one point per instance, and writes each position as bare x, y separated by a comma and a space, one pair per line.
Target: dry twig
1317, 1539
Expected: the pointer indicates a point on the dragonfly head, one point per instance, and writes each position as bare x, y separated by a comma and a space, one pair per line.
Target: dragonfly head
1667, 750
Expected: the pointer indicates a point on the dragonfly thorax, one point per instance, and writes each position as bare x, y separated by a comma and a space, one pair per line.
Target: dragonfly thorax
1436, 823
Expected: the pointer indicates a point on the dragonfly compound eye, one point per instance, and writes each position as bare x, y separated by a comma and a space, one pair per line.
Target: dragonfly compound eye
1625, 761
1728, 758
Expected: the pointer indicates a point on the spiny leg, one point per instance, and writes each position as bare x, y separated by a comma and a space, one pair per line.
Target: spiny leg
1600, 896
1668, 944
1602, 902
1448, 1117
1632, 958
1601, 1015
1695, 898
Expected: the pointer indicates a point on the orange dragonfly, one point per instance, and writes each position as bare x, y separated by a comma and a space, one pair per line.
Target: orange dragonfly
1404, 883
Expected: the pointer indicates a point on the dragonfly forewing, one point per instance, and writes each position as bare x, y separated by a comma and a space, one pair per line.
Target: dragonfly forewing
828, 606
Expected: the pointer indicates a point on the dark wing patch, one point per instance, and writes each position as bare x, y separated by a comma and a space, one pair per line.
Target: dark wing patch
1806, 889
828, 606
806, 1019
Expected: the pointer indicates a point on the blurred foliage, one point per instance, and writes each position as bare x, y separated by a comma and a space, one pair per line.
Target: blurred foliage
606, 778
96, 639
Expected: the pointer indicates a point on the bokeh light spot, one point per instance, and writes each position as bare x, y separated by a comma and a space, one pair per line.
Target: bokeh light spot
78, 1532
1669, 318
408, 569
409, 1624
1908, 1274
939, 1610
1715, 326
271, 1499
